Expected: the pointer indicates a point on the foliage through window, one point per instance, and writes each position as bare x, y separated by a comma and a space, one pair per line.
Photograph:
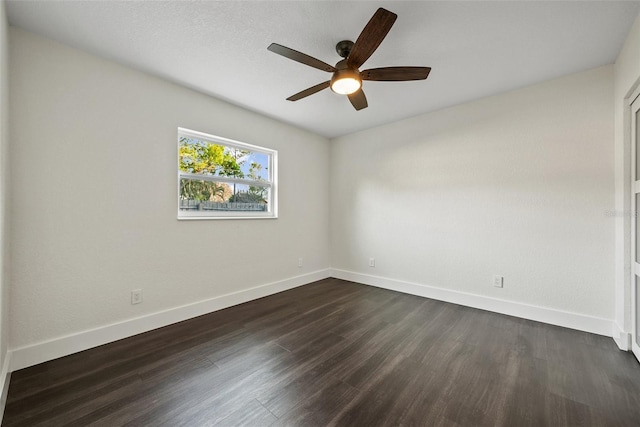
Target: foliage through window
221, 178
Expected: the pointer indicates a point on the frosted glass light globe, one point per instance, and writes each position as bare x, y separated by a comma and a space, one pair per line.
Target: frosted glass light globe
346, 85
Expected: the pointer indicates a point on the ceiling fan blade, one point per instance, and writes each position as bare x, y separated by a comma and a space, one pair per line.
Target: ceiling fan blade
358, 100
309, 91
395, 74
371, 36
300, 57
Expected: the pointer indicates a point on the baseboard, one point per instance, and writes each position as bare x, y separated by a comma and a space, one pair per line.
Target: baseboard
622, 338
5, 376
48, 350
41, 352
566, 319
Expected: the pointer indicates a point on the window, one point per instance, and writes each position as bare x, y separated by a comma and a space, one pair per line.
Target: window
221, 178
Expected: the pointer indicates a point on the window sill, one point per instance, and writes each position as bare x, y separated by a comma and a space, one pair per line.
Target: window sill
197, 218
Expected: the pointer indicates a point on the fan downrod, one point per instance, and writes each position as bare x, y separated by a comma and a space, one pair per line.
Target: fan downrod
344, 48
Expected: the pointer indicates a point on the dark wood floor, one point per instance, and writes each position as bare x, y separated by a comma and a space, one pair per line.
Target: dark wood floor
338, 353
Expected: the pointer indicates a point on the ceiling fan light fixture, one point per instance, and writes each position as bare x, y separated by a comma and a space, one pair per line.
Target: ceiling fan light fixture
346, 82
346, 78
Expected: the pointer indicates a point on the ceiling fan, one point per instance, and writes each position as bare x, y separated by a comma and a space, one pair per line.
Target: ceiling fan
347, 79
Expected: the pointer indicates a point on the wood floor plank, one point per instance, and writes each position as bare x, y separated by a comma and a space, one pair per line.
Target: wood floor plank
320, 408
375, 406
337, 353
152, 397
252, 414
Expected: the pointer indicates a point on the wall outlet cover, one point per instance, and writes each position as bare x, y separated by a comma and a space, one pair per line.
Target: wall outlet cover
136, 296
498, 281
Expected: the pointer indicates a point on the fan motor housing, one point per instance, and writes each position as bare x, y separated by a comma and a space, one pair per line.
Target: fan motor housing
344, 48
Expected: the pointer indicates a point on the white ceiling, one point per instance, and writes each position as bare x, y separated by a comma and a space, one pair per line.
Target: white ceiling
475, 48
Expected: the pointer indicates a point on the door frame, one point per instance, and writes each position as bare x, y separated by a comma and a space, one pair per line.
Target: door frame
635, 241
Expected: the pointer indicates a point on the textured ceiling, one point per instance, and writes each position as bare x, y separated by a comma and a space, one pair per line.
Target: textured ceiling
475, 48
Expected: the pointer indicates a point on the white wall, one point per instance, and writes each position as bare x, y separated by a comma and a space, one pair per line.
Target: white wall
93, 203
517, 185
627, 78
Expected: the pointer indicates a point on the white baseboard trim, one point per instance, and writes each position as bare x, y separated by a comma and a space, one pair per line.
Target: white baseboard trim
5, 376
552, 316
48, 350
622, 338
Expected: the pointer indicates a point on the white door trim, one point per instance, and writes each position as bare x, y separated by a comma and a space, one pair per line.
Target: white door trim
635, 244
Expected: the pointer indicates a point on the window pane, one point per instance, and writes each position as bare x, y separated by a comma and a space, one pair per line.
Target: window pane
207, 158
257, 167
220, 177
200, 195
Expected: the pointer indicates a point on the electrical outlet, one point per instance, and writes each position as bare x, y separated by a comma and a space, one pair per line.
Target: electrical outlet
498, 281
136, 296
372, 262
299, 262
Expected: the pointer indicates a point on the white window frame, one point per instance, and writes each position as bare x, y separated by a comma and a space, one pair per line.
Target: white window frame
271, 183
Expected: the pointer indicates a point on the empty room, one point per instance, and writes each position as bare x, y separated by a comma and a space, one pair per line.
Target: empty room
319, 213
